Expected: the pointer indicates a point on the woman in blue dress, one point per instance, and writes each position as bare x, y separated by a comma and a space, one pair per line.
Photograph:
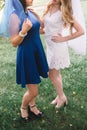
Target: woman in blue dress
31, 62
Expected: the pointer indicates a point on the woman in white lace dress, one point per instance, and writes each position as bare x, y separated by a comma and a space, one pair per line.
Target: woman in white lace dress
58, 15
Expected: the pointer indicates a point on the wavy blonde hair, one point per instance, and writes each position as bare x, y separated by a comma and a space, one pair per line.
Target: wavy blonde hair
67, 13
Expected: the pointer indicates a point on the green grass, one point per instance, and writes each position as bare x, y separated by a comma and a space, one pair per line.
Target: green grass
74, 117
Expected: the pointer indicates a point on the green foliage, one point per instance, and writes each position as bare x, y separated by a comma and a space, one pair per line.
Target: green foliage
1, 3
74, 83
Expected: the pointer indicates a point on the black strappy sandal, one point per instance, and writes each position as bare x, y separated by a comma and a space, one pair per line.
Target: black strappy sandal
39, 115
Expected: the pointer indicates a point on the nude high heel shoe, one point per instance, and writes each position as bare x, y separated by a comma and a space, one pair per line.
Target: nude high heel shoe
54, 101
62, 103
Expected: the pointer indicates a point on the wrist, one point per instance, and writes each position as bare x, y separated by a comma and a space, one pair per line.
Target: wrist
21, 34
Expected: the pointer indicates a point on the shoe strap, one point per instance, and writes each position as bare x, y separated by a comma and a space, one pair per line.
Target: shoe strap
24, 108
32, 106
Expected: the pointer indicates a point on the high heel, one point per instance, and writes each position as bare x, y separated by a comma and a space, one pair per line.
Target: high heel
65, 104
62, 103
38, 114
54, 101
24, 114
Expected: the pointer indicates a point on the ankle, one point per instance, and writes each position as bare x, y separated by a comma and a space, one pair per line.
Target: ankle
34, 109
31, 105
24, 112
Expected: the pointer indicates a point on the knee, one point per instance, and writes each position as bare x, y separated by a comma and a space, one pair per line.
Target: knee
54, 77
51, 76
33, 90
33, 94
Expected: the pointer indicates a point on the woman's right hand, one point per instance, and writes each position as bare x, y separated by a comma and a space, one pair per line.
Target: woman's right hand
27, 25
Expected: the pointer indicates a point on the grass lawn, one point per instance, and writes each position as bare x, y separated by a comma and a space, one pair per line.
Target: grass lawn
73, 117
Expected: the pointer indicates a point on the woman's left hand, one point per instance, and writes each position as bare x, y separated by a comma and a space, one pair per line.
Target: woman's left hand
32, 10
58, 38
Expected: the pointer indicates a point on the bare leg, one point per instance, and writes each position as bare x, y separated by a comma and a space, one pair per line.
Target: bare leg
30, 94
56, 79
33, 107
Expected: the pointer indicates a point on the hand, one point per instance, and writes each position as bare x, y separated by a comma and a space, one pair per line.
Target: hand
27, 25
58, 38
33, 11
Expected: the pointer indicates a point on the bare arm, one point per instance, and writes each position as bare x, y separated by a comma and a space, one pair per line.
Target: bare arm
42, 26
17, 38
78, 33
42, 30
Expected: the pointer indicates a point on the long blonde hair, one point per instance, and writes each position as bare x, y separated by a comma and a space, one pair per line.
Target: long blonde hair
67, 13
48, 7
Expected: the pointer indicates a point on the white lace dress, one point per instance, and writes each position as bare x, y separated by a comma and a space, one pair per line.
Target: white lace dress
57, 53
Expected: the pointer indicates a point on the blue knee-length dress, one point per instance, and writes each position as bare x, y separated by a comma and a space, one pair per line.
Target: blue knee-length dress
31, 59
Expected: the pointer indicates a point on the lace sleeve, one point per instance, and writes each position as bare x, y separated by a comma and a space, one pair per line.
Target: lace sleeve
14, 24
